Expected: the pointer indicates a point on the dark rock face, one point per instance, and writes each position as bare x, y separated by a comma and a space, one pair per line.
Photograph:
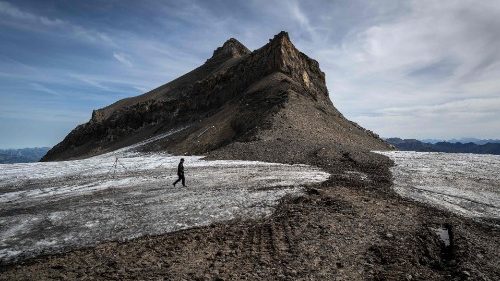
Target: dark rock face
237, 95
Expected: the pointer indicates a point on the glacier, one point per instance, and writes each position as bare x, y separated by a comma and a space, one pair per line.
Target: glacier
52, 207
466, 184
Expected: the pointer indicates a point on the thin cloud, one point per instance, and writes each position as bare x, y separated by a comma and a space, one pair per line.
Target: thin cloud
123, 59
301, 18
141, 89
91, 81
77, 31
464, 106
14, 12
42, 88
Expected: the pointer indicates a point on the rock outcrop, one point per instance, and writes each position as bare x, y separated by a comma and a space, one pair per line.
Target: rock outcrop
236, 96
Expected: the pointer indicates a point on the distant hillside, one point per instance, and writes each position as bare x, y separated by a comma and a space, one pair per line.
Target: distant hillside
462, 140
457, 147
23, 155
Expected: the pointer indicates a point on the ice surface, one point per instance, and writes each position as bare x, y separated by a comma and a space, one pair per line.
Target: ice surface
48, 207
467, 184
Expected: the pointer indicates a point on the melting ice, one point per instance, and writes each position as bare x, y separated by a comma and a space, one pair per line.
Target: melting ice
49, 207
467, 184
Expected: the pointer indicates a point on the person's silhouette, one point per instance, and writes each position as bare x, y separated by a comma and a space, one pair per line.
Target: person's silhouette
180, 173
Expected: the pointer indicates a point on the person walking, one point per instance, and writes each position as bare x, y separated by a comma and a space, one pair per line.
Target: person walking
180, 173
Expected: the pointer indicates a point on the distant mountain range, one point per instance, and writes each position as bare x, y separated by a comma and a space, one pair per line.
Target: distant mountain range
462, 140
23, 155
444, 146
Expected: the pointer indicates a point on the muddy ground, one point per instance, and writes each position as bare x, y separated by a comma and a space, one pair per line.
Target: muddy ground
348, 228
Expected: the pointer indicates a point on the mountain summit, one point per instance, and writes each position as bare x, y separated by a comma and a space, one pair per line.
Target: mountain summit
236, 101
232, 48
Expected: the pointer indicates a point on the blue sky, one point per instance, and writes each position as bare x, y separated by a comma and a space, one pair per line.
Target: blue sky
414, 69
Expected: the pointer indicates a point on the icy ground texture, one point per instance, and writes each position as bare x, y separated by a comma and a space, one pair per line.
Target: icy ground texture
48, 207
467, 184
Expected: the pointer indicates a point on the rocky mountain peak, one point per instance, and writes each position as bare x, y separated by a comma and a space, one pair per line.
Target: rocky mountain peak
283, 56
230, 49
281, 38
273, 92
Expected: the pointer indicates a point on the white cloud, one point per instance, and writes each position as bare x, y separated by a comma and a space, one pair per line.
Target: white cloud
42, 88
34, 21
91, 81
141, 90
123, 59
12, 11
298, 15
481, 106
437, 60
